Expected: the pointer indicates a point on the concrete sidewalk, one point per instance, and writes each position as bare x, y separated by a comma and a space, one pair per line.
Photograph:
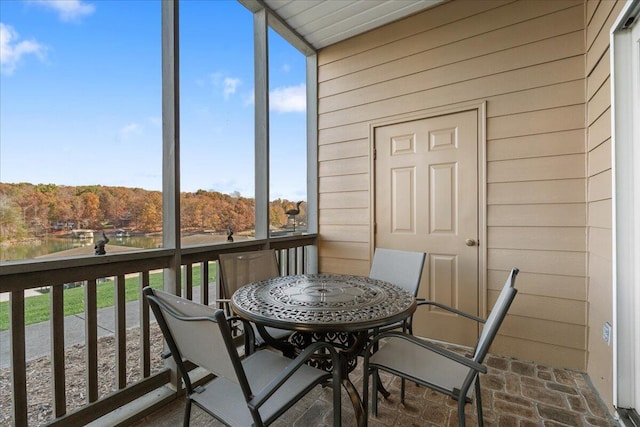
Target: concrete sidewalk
38, 335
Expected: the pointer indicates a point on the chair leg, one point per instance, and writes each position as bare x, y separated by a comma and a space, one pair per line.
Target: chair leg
187, 413
479, 402
365, 395
461, 420
381, 389
402, 384
374, 393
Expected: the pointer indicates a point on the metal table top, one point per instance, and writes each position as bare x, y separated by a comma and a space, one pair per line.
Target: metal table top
323, 303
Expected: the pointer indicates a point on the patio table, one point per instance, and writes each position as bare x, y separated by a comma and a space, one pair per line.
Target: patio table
337, 308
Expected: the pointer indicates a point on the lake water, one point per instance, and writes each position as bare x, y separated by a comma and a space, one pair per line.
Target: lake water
50, 245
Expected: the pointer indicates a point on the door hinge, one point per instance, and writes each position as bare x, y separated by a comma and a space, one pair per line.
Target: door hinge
375, 154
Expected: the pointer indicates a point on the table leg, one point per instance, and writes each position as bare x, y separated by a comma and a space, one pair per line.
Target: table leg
287, 349
356, 401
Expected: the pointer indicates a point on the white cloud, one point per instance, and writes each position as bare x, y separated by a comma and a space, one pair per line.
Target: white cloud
229, 85
12, 50
288, 99
68, 10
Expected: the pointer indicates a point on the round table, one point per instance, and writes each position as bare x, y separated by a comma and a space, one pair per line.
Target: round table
323, 303
338, 308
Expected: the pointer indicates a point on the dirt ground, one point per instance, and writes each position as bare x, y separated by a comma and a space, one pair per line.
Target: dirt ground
40, 408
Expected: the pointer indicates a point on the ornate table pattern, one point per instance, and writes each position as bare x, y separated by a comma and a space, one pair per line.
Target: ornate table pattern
323, 302
341, 309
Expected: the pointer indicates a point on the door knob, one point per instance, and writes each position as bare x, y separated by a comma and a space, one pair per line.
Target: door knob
470, 242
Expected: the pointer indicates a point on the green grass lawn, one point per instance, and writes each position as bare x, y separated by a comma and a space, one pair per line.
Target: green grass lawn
37, 308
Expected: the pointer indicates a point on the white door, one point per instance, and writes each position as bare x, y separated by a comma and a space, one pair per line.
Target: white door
426, 199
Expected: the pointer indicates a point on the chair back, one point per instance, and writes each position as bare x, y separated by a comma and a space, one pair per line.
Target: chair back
197, 333
238, 269
401, 268
498, 313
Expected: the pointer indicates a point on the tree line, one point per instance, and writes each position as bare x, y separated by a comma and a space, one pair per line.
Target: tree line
28, 210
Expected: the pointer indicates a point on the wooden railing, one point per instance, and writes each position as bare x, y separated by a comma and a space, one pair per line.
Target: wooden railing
16, 278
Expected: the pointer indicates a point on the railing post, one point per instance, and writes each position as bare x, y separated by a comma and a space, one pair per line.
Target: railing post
145, 342
91, 337
121, 332
57, 351
18, 359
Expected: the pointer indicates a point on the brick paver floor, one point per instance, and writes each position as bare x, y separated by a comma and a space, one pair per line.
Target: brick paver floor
515, 393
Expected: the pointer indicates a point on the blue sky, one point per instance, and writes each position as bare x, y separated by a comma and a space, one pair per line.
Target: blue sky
80, 97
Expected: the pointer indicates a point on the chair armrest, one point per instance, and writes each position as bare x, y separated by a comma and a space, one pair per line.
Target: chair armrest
250, 338
260, 398
470, 363
452, 310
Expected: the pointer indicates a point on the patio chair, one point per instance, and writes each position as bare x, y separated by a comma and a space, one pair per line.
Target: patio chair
434, 366
240, 268
265, 381
403, 269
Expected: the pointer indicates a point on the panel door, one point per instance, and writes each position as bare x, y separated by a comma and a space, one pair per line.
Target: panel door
426, 199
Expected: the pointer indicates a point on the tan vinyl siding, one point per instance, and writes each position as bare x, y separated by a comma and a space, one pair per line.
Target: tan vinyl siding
526, 59
600, 18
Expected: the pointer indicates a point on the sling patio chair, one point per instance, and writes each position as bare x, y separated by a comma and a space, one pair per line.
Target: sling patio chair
400, 268
253, 391
403, 269
240, 268
429, 364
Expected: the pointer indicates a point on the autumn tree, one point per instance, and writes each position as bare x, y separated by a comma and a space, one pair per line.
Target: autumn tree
151, 215
36, 208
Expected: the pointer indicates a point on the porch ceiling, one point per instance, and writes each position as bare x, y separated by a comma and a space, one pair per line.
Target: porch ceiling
325, 22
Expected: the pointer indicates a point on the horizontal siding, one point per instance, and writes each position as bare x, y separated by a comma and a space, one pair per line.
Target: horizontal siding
549, 285
540, 215
559, 191
343, 150
600, 33
549, 331
526, 60
539, 145
600, 158
544, 262
460, 86
536, 122
540, 98
501, 44
601, 16
342, 183
346, 233
343, 265
439, 26
538, 168
356, 251
559, 310
599, 102
341, 200
354, 216
599, 131
599, 75
416, 24
538, 238
540, 351
601, 243
350, 165
600, 221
